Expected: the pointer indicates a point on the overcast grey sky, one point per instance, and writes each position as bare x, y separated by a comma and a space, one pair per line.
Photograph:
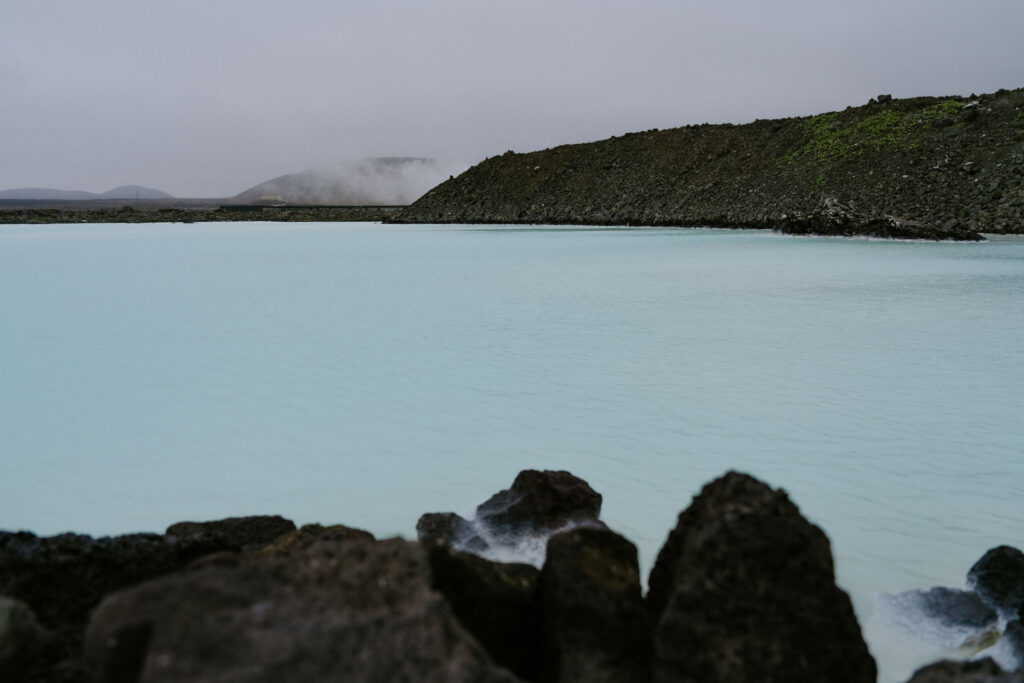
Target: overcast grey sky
205, 98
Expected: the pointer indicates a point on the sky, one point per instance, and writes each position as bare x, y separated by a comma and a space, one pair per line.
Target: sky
206, 98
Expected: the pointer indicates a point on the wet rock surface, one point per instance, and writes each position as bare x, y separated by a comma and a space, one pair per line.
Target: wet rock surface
998, 577
954, 164
517, 521
540, 501
744, 590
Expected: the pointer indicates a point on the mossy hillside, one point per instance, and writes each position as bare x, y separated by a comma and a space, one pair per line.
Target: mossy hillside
950, 161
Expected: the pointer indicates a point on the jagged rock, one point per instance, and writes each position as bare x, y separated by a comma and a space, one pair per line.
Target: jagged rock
540, 501
744, 590
351, 610
497, 602
947, 617
239, 533
978, 671
449, 529
998, 577
596, 628
21, 639
832, 217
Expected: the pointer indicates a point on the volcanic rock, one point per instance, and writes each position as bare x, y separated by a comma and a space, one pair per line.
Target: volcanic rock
978, 671
239, 533
540, 501
498, 603
21, 639
833, 218
351, 610
596, 628
998, 577
744, 590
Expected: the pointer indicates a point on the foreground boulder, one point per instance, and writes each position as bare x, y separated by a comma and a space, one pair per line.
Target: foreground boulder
979, 671
596, 628
21, 639
351, 610
744, 590
998, 577
831, 217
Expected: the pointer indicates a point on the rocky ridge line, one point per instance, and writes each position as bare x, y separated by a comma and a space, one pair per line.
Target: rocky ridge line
948, 168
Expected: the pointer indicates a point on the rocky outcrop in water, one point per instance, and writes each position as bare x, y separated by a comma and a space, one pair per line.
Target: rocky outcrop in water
953, 164
743, 590
517, 521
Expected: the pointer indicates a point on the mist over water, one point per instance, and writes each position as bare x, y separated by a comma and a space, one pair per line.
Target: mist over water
366, 374
367, 181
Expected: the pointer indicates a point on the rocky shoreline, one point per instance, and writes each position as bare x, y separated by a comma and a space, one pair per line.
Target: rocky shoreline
742, 591
128, 214
920, 168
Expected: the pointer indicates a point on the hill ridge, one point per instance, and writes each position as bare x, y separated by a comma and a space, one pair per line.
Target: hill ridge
956, 163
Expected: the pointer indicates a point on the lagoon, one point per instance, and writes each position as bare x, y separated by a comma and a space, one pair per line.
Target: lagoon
364, 374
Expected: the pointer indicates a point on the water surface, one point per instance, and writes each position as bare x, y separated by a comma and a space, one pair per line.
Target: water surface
364, 374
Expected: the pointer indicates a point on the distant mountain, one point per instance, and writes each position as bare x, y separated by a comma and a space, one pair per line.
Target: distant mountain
368, 181
134, 192
45, 193
49, 194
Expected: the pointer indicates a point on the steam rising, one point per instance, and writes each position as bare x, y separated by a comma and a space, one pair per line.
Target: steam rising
367, 181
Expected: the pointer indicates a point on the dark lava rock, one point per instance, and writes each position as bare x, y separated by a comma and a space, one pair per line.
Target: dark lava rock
350, 610
831, 217
596, 628
998, 577
540, 501
951, 617
63, 577
498, 603
21, 639
978, 671
311, 533
744, 590
449, 529
243, 533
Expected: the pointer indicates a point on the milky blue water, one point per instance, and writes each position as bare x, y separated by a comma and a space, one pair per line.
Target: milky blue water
364, 374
